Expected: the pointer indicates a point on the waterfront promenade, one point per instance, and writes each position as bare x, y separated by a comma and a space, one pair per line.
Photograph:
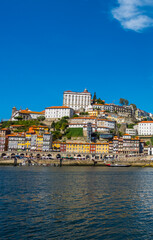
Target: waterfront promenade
74, 159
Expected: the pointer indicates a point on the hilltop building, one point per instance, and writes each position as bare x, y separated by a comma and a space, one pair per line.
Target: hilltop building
58, 112
97, 124
131, 131
25, 114
120, 110
145, 128
140, 114
77, 100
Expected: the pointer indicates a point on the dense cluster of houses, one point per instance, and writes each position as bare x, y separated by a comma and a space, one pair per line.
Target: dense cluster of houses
36, 139
99, 118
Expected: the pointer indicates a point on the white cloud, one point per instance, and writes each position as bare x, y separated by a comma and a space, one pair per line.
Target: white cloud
134, 14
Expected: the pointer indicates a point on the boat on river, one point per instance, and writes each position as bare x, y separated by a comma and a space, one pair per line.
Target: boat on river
117, 165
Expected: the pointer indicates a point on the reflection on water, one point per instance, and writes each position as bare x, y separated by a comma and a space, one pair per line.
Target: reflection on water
76, 203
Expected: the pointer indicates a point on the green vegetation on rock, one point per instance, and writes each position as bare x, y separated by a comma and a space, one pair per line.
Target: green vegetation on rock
25, 124
74, 132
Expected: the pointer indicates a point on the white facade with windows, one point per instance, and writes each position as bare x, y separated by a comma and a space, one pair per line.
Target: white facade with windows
106, 123
131, 131
77, 100
25, 114
58, 112
145, 128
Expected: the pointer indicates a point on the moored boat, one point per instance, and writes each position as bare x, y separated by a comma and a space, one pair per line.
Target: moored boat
117, 165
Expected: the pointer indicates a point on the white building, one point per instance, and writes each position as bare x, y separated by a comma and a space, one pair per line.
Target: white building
25, 114
83, 120
104, 107
58, 112
106, 123
131, 131
98, 125
77, 100
145, 128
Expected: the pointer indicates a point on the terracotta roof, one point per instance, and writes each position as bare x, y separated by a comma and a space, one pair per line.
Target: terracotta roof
115, 138
84, 118
30, 132
98, 104
4, 129
106, 120
39, 127
58, 107
137, 137
16, 135
29, 112
146, 122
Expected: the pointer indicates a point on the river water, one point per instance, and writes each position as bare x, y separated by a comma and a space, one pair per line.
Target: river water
76, 203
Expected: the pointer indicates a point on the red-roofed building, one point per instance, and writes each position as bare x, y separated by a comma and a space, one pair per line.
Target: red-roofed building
126, 145
56, 112
145, 128
25, 114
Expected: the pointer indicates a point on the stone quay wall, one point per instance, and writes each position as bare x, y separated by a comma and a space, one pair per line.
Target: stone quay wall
84, 159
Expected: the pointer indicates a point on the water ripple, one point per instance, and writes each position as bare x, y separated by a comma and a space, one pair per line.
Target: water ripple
76, 203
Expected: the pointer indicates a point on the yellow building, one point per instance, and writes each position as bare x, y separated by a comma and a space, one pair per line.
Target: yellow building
27, 140
102, 147
39, 142
21, 146
93, 113
78, 147
56, 145
83, 147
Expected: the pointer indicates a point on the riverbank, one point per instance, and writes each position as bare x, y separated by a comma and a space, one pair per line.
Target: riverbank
67, 162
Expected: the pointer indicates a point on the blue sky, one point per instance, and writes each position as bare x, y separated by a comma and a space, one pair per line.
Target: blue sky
49, 46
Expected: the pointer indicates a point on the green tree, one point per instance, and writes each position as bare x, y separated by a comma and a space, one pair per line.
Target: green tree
57, 125
148, 143
134, 106
56, 135
151, 140
126, 102
64, 126
99, 101
18, 118
75, 115
41, 118
94, 97
68, 135
84, 113
53, 125
122, 101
